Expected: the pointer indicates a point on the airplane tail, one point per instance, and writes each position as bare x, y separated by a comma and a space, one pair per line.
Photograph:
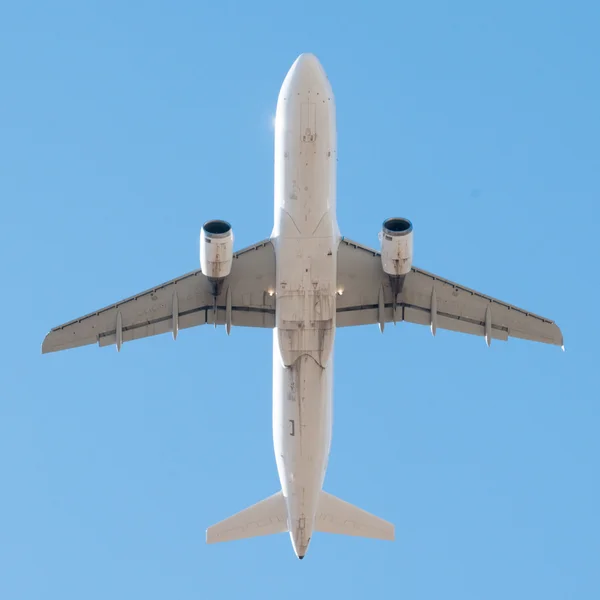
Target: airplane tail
269, 516
336, 516
263, 518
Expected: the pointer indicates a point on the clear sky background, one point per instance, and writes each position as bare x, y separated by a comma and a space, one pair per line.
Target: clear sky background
125, 125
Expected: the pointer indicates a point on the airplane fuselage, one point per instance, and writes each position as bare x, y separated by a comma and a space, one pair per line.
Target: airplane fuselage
305, 237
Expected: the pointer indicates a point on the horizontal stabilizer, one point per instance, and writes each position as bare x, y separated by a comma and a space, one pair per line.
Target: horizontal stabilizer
336, 516
263, 518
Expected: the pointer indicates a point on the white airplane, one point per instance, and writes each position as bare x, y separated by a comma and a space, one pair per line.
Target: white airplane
303, 282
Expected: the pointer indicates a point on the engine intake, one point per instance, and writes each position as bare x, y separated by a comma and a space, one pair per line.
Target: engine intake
396, 246
216, 249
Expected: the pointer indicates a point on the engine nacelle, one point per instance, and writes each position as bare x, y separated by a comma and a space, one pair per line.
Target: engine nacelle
396, 246
216, 249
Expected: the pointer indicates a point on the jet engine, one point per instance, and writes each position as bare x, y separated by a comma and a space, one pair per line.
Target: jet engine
216, 250
396, 247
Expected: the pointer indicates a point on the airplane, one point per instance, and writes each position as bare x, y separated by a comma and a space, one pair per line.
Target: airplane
303, 283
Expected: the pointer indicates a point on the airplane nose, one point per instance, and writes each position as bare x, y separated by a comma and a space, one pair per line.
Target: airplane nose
307, 62
306, 74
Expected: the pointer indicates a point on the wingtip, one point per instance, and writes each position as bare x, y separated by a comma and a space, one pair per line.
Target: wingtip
52, 343
562, 340
45, 345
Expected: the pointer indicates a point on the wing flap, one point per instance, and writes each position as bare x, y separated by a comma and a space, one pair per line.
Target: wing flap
165, 325
422, 316
359, 315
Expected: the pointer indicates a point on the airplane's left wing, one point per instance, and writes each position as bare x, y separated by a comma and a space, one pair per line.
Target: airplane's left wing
181, 303
428, 299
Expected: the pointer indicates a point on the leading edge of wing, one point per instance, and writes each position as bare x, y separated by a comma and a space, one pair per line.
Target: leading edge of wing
49, 346
463, 288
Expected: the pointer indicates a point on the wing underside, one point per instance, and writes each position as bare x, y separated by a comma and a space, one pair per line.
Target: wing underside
427, 299
246, 300
184, 302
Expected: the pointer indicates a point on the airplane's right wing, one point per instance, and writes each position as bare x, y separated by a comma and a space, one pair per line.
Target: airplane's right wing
181, 303
427, 299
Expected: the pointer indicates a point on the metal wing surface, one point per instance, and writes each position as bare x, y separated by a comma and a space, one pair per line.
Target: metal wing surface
184, 302
430, 300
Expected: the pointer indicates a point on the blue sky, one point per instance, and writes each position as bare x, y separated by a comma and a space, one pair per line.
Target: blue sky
124, 126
